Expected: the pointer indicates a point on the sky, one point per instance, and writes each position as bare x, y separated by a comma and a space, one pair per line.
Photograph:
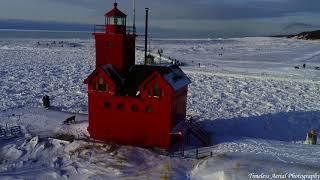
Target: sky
203, 18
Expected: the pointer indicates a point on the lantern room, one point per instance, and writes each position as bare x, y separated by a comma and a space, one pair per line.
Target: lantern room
115, 21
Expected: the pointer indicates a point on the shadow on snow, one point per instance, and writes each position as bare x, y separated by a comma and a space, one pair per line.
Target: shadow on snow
283, 126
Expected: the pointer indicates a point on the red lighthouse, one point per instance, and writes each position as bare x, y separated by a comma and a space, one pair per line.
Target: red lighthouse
132, 104
116, 45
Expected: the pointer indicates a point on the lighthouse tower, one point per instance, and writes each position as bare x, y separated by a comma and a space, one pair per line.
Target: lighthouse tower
115, 42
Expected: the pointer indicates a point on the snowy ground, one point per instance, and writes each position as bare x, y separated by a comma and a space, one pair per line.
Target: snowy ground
246, 93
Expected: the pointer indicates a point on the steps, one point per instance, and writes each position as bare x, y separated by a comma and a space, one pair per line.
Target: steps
202, 138
199, 133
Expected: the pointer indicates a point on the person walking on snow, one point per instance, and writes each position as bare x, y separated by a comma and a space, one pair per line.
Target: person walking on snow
311, 137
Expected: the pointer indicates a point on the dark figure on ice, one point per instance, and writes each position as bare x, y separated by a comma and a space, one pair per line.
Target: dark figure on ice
46, 101
304, 66
199, 64
70, 120
311, 137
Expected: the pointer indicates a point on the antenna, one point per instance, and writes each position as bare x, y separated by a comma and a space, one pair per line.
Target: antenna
146, 37
134, 16
149, 50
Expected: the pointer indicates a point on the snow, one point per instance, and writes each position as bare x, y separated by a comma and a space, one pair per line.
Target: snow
28, 72
246, 93
179, 83
239, 159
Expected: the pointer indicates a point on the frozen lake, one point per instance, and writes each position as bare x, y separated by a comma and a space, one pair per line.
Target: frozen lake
246, 93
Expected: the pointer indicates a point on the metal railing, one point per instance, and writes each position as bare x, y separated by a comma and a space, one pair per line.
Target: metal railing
99, 28
201, 134
102, 28
198, 153
131, 30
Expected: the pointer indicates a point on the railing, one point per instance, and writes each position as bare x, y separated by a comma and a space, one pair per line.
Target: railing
99, 28
202, 135
198, 153
102, 28
131, 30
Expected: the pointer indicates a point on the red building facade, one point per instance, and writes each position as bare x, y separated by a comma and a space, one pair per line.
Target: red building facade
132, 104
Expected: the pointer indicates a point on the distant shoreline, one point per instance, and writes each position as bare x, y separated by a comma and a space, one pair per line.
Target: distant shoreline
40, 30
307, 35
43, 34
84, 34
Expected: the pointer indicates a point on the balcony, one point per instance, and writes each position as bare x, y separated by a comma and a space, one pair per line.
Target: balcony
102, 29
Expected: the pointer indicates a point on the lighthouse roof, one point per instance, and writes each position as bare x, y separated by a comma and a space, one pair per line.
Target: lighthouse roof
130, 84
110, 71
115, 12
173, 75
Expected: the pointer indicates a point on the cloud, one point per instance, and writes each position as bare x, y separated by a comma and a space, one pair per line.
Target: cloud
208, 9
203, 16
43, 10
176, 9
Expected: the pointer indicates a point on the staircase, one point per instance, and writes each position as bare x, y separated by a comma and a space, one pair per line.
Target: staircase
199, 133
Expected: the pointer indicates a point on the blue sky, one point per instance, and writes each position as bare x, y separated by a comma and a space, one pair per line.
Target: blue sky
203, 17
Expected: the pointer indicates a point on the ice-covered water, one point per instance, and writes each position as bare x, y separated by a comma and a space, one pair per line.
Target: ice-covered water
246, 93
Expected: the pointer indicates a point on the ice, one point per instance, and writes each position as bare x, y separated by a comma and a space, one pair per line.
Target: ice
28, 72
246, 94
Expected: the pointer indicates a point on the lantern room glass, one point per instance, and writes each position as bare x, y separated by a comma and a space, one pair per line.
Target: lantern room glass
121, 21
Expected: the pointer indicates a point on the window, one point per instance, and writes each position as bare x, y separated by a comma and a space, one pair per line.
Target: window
148, 109
156, 89
123, 21
134, 108
120, 106
116, 21
101, 85
107, 105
